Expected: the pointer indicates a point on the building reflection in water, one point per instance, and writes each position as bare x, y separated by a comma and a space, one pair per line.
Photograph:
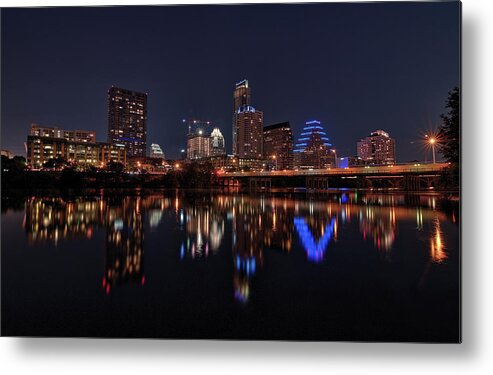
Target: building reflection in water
124, 243
258, 225
315, 250
437, 248
248, 224
54, 219
379, 224
204, 228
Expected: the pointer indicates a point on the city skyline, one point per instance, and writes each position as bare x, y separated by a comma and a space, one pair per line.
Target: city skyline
392, 88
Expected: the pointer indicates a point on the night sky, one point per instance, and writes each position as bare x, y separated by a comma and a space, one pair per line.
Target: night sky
355, 67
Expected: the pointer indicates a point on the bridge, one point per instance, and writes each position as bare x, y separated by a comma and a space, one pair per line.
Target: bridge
410, 176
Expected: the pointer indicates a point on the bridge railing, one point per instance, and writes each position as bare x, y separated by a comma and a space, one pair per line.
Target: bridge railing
364, 170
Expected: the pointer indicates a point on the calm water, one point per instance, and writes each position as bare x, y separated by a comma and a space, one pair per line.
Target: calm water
339, 266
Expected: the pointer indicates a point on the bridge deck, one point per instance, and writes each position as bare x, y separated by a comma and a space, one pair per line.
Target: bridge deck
387, 170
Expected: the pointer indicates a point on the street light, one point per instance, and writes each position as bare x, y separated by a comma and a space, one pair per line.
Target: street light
432, 142
275, 158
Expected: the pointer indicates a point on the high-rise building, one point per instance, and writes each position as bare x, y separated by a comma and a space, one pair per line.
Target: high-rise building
198, 139
88, 136
248, 133
278, 145
313, 149
247, 125
127, 120
378, 148
156, 151
198, 145
217, 143
241, 95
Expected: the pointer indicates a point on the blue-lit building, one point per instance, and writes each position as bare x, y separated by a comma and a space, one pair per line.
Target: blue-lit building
313, 149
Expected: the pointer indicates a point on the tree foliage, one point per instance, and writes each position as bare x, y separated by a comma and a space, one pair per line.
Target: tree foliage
450, 128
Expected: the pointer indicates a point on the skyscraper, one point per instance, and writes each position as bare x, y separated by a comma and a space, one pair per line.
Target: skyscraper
127, 120
217, 143
198, 138
313, 149
247, 124
278, 145
248, 133
242, 95
198, 145
378, 148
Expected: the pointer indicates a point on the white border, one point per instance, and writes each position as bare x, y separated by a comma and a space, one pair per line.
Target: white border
474, 356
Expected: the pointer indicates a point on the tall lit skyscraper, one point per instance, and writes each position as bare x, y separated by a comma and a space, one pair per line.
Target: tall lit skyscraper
198, 145
127, 120
241, 96
278, 145
198, 138
248, 133
378, 148
247, 124
313, 148
217, 143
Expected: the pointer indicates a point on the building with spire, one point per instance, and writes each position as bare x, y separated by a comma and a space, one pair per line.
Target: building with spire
247, 126
217, 146
241, 95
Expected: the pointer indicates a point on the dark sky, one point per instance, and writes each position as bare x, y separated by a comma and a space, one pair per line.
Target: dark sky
355, 67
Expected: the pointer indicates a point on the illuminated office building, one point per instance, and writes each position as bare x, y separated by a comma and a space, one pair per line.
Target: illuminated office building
198, 145
313, 149
248, 133
127, 120
199, 142
278, 146
247, 124
41, 149
156, 151
241, 95
88, 136
378, 148
217, 146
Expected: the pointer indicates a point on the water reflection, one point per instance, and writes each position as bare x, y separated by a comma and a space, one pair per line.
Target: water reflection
315, 249
378, 223
204, 230
437, 247
124, 243
254, 225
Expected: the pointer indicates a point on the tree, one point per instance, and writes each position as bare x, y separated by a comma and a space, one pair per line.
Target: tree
450, 128
449, 134
57, 164
115, 167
